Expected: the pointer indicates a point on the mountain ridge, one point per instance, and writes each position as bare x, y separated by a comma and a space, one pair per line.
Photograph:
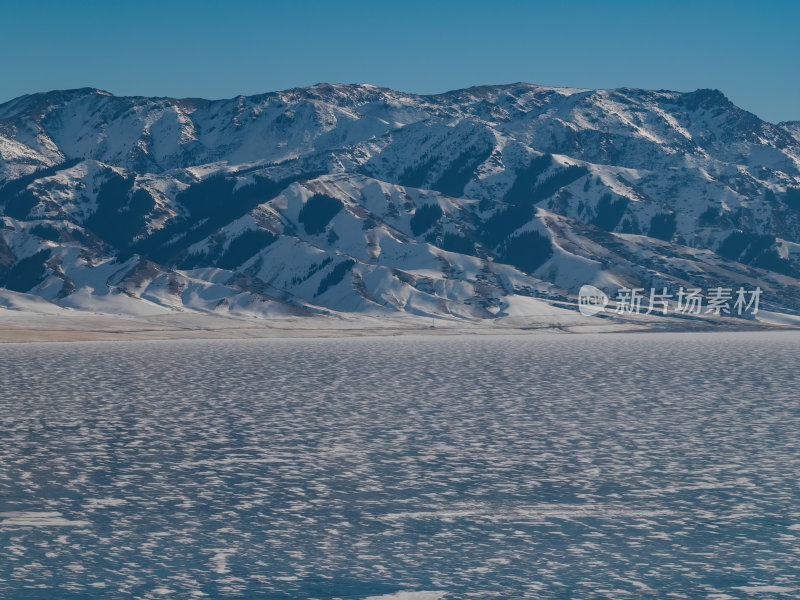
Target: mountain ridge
342, 199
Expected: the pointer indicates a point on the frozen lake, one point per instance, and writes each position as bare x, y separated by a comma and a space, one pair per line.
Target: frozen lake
615, 466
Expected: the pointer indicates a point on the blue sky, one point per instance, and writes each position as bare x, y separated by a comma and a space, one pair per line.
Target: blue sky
219, 50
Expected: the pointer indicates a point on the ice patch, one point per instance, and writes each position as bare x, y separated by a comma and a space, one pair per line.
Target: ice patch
431, 595
534, 512
765, 589
24, 518
219, 561
104, 502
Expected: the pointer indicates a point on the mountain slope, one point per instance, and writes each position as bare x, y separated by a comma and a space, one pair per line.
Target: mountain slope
357, 199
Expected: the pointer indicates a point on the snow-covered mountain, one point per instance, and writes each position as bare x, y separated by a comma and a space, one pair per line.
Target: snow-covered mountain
478, 203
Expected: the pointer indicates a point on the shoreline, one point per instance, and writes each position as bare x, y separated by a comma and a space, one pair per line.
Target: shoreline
21, 327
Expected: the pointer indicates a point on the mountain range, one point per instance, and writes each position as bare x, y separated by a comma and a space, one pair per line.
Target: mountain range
480, 203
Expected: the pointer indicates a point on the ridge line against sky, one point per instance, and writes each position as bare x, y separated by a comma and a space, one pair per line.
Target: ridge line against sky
353, 84
205, 49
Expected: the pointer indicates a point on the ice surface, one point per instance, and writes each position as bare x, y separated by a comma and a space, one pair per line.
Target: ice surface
406, 468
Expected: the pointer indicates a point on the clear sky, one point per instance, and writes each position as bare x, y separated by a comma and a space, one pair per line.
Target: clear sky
749, 50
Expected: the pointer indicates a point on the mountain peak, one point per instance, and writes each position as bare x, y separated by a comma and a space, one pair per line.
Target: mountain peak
706, 98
